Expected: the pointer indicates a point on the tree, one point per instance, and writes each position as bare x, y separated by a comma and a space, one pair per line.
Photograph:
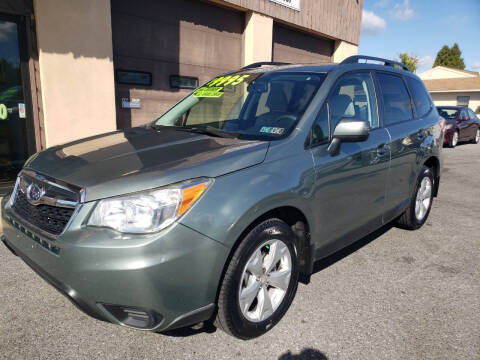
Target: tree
451, 57
410, 60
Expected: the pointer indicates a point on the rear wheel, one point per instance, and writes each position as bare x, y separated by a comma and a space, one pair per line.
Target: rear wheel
420, 205
260, 281
476, 138
454, 140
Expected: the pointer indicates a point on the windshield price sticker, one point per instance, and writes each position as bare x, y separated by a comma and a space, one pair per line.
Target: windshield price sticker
3, 112
214, 89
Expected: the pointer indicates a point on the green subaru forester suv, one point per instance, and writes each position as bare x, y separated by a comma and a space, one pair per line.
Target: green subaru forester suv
214, 211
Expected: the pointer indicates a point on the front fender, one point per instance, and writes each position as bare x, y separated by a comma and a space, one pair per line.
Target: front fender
236, 200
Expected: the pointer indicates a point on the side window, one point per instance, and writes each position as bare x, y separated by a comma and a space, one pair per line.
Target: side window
395, 98
320, 128
353, 96
421, 100
463, 114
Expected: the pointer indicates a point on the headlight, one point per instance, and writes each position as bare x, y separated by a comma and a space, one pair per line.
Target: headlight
449, 126
149, 211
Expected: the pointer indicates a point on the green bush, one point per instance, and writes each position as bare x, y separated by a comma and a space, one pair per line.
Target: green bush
478, 110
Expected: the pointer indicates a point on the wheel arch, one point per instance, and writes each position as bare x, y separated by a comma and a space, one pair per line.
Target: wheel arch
434, 163
299, 224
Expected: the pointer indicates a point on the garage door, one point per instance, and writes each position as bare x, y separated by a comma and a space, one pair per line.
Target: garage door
294, 46
158, 39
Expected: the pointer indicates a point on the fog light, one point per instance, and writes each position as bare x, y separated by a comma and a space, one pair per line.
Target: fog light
134, 317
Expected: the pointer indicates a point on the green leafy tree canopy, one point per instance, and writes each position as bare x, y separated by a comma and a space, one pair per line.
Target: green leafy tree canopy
410, 60
450, 56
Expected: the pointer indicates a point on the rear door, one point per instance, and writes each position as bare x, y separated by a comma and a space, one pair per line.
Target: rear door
472, 124
407, 136
349, 189
463, 125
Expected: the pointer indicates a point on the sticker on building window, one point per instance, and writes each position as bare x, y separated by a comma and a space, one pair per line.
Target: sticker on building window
215, 88
272, 130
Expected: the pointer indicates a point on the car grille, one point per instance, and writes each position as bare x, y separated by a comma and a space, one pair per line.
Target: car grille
52, 219
44, 203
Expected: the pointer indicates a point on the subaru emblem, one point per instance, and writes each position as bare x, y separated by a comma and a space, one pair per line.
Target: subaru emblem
35, 193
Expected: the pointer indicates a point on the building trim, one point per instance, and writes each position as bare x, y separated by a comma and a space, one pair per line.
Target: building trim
453, 91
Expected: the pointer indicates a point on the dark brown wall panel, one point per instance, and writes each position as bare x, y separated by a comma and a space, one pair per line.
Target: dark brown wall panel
339, 19
293, 46
185, 37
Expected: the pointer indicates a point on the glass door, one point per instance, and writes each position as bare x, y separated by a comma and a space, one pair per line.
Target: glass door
13, 149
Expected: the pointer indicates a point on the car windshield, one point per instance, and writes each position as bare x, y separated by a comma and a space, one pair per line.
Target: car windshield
259, 106
447, 113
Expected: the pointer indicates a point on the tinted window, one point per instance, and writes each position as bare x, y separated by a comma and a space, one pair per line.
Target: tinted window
320, 128
354, 97
395, 97
421, 100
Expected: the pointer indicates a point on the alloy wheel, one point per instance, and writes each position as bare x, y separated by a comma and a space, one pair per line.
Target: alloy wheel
455, 139
265, 280
423, 199
477, 136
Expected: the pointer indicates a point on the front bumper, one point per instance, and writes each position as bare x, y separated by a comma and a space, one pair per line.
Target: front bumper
172, 275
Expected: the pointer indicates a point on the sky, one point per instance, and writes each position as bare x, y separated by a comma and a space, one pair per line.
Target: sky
421, 27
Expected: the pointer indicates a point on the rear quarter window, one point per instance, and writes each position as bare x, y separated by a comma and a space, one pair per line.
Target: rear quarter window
421, 100
396, 100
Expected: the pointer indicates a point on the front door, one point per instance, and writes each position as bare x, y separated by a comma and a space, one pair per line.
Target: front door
13, 149
349, 193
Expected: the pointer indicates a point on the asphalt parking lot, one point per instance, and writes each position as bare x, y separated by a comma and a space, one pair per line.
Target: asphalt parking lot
394, 295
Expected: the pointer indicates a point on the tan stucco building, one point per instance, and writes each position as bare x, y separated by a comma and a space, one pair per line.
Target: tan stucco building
449, 86
71, 69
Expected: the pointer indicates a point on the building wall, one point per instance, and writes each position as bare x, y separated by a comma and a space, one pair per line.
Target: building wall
189, 38
450, 99
339, 19
76, 68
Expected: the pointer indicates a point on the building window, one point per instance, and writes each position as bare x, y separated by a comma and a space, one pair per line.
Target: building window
183, 82
463, 100
134, 77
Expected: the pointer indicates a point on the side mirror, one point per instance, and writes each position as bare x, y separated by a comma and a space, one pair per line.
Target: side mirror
348, 130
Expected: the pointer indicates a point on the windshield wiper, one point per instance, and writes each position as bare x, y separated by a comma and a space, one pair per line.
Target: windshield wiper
209, 130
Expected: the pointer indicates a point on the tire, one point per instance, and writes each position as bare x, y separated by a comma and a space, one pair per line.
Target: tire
454, 139
235, 316
476, 137
412, 218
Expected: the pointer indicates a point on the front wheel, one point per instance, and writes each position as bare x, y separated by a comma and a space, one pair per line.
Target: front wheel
454, 140
476, 138
260, 282
417, 212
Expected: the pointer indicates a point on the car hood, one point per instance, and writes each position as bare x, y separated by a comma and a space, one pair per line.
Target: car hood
143, 158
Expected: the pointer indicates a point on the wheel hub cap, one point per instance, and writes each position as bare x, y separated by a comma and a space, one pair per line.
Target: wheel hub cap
265, 280
423, 199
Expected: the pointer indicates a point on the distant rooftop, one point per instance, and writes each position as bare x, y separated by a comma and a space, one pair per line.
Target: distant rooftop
453, 84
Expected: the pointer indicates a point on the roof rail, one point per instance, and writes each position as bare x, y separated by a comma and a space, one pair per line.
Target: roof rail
354, 60
258, 64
